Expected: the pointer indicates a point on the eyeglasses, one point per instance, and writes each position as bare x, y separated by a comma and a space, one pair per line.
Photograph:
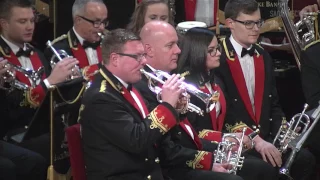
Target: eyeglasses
137, 57
250, 24
213, 51
96, 24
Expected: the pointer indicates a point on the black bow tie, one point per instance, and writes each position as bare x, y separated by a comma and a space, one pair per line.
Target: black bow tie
25, 53
250, 52
87, 44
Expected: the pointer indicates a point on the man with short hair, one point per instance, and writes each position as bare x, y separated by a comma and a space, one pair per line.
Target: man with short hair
90, 18
121, 138
247, 72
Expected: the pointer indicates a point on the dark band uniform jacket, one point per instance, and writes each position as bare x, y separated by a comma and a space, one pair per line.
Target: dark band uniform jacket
118, 142
210, 125
71, 45
268, 114
21, 105
181, 150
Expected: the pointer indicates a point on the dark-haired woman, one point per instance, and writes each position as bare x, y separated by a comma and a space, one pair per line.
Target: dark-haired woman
200, 54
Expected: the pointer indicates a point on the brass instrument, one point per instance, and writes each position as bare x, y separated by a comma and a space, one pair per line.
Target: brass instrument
208, 99
225, 152
10, 78
298, 39
288, 130
60, 54
289, 136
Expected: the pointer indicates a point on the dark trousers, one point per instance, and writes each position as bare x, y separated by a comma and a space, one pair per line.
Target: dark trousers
303, 166
191, 174
20, 163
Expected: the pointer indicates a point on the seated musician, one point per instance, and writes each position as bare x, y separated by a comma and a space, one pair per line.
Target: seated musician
17, 24
120, 136
17, 162
246, 70
83, 40
183, 147
148, 10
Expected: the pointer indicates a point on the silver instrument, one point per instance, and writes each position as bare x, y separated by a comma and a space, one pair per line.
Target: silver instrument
288, 130
209, 100
10, 77
297, 38
60, 54
226, 152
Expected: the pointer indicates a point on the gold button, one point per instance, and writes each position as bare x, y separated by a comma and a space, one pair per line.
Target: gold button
149, 177
235, 99
157, 160
270, 119
179, 133
146, 159
254, 126
259, 126
26, 127
270, 95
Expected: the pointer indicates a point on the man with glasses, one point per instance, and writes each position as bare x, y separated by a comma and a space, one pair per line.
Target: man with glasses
83, 40
121, 139
247, 72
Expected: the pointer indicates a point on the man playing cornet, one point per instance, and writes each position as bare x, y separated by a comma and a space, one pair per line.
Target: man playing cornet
84, 39
17, 22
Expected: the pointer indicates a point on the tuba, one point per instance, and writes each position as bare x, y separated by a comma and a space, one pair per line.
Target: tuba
60, 54
209, 100
12, 83
299, 34
226, 152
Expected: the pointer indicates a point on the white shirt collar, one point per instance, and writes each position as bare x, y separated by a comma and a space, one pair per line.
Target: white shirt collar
122, 82
78, 36
12, 46
237, 47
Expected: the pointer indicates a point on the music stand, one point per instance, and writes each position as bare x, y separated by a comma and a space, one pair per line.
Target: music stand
59, 99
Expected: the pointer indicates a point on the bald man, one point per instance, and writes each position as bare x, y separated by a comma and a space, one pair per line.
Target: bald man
180, 154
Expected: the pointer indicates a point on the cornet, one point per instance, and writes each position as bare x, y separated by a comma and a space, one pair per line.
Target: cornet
60, 54
10, 78
225, 152
210, 104
288, 130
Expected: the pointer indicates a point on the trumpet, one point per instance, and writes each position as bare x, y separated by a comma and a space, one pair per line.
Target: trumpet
60, 54
10, 78
210, 104
288, 130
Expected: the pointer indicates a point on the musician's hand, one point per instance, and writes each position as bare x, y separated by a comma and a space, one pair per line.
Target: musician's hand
268, 151
62, 70
3, 69
216, 167
171, 90
182, 102
310, 8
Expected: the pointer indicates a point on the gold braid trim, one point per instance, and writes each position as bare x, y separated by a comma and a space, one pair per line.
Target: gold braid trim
157, 122
233, 128
195, 163
31, 100
103, 86
204, 133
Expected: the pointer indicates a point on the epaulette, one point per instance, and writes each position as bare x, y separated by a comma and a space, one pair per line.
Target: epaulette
185, 74
64, 36
311, 44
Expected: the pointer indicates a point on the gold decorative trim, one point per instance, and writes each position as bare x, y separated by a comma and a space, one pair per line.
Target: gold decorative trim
3, 53
157, 122
232, 128
311, 44
110, 82
226, 50
103, 86
195, 163
205, 132
64, 36
185, 74
32, 99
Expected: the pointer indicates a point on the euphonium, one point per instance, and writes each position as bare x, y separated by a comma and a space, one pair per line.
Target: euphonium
297, 38
226, 152
60, 54
10, 77
206, 98
288, 130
